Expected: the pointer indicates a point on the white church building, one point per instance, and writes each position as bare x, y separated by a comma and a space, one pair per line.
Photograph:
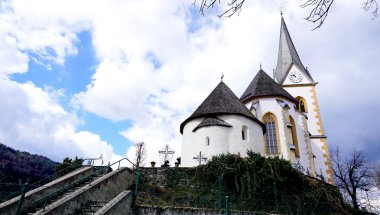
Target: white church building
276, 116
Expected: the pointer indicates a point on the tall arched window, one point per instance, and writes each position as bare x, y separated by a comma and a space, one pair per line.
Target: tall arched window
271, 137
244, 133
294, 137
301, 104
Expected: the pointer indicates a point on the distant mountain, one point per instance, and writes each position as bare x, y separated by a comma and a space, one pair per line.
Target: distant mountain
18, 167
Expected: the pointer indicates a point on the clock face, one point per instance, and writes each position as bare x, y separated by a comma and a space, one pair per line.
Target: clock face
295, 77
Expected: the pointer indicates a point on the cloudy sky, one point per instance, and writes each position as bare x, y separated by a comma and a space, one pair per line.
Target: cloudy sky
84, 78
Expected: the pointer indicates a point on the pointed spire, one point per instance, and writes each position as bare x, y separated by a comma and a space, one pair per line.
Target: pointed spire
287, 55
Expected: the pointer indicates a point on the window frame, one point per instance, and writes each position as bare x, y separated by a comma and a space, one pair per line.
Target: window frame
276, 133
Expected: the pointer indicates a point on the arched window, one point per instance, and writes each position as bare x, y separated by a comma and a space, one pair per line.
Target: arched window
301, 104
271, 137
244, 133
207, 141
294, 137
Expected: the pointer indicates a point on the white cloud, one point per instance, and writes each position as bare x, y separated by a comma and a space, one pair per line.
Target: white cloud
157, 62
33, 120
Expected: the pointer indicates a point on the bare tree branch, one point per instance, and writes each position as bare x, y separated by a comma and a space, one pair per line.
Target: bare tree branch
319, 8
140, 154
233, 6
352, 174
371, 5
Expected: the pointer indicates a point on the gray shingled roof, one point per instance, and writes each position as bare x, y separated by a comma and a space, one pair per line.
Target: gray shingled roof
287, 56
212, 121
264, 86
221, 101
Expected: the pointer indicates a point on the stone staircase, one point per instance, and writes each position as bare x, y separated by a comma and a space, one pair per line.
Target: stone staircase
87, 191
39, 204
89, 208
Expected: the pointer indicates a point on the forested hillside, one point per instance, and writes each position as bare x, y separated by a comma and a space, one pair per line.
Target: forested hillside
18, 167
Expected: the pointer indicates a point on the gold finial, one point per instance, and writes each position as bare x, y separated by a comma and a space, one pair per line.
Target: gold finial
221, 77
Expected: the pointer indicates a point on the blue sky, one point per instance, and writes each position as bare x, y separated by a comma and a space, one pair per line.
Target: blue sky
77, 82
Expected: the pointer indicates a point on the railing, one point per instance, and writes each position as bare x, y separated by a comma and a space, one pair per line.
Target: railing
44, 200
47, 179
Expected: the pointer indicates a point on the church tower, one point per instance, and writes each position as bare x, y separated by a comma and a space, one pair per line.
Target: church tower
297, 80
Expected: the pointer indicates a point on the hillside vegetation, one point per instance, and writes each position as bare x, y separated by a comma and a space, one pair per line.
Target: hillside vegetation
18, 167
254, 183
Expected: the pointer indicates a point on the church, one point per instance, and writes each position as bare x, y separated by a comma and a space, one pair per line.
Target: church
276, 116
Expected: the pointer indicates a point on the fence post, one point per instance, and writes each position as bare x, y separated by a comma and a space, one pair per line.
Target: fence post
275, 195
21, 201
316, 204
220, 192
137, 183
227, 205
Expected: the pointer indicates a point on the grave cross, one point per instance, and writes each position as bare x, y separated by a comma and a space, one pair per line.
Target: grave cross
200, 158
166, 152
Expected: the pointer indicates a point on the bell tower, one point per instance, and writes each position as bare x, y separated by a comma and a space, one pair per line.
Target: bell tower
297, 80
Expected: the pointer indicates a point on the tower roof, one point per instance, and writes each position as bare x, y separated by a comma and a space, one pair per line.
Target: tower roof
264, 86
221, 101
287, 56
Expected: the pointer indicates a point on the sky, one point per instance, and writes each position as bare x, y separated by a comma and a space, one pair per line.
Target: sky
92, 77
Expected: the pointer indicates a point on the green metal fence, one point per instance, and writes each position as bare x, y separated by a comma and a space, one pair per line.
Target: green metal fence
217, 196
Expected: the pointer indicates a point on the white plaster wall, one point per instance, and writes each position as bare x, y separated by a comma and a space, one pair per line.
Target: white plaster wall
304, 158
254, 142
320, 160
222, 139
270, 105
305, 92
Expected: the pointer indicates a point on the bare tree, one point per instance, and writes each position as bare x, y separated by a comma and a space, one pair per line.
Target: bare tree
319, 9
140, 154
376, 171
352, 174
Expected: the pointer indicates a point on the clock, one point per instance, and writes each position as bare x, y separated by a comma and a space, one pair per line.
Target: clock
295, 76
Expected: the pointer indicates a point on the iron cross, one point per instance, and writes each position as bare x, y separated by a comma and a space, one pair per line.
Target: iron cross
166, 152
200, 158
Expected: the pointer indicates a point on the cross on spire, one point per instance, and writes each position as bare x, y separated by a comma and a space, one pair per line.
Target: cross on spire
166, 152
221, 77
200, 158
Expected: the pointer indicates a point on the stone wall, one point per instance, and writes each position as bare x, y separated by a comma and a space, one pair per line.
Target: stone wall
149, 210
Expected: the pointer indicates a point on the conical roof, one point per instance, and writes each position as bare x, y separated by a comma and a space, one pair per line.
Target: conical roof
264, 86
221, 101
287, 56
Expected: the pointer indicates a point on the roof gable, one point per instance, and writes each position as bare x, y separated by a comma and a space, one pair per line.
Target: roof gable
221, 101
263, 86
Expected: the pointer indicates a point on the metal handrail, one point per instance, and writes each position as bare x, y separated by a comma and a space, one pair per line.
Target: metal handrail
45, 198
17, 193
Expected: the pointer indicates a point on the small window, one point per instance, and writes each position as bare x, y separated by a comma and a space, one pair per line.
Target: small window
244, 133
302, 105
207, 141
